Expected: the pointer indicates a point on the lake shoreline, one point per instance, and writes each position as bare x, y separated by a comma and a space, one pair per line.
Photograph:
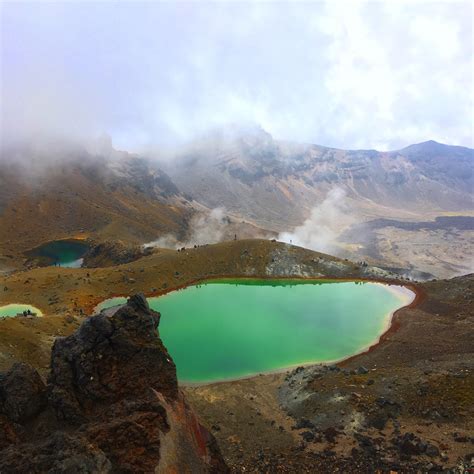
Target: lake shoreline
91, 306
391, 325
37, 312
341, 361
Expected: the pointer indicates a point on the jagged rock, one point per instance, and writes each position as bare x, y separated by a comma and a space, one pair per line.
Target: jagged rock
106, 254
113, 405
108, 359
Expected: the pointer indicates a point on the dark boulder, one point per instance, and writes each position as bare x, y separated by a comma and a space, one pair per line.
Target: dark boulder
432, 450
105, 254
22, 393
377, 420
308, 436
410, 445
366, 443
109, 358
330, 434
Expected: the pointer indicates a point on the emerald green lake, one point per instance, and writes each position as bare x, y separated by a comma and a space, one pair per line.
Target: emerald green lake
226, 329
64, 253
14, 309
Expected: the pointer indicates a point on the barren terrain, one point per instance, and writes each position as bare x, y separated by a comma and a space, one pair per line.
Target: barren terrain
407, 404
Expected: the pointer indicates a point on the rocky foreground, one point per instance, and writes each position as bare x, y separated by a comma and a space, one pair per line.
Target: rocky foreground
111, 404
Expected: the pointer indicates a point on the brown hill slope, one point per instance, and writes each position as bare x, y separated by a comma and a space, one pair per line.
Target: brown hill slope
66, 193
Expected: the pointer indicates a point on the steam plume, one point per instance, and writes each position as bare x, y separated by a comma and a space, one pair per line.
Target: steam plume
323, 226
204, 229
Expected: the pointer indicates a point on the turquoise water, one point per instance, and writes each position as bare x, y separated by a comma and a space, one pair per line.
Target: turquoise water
65, 253
14, 309
225, 329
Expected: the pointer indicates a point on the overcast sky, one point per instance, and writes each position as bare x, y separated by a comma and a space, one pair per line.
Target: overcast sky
345, 74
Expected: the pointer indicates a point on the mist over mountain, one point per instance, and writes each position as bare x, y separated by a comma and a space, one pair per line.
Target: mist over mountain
277, 183
234, 181
58, 191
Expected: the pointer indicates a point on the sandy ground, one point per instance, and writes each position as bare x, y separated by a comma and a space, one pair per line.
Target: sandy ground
443, 253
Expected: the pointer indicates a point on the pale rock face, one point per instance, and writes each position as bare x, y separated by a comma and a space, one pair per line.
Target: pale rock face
277, 184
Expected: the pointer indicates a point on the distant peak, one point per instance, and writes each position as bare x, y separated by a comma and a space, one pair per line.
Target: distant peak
428, 143
426, 146
432, 147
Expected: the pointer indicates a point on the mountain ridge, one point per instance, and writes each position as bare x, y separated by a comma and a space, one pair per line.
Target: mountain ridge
290, 179
264, 184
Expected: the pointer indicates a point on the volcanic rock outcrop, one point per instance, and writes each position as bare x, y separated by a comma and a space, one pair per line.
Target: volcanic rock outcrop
112, 404
105, 254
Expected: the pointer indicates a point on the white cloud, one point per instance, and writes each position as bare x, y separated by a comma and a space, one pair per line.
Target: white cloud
342, 73
398, 70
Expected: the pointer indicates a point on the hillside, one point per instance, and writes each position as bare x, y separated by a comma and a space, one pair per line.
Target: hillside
65, 191
260, 187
